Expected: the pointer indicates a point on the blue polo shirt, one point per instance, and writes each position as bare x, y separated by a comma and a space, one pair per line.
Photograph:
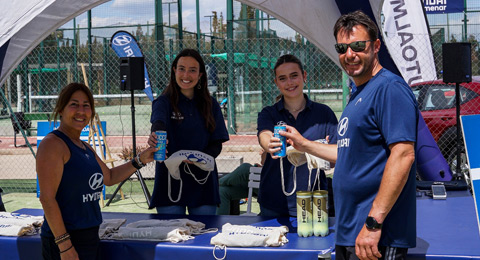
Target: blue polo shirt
380, 113
186, 131
315, 122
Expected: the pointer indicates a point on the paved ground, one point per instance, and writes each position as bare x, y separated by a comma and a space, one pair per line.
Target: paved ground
19, 163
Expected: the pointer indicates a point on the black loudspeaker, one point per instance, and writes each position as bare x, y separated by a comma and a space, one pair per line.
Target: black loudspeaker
457, 62
132, 72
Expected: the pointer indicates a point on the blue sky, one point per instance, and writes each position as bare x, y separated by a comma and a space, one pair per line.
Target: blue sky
141, 11
117, 12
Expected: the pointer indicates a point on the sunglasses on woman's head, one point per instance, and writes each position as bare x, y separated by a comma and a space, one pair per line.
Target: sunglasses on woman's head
341, 48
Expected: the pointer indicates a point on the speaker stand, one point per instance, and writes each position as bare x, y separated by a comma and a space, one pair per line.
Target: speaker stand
137, 172
458, 173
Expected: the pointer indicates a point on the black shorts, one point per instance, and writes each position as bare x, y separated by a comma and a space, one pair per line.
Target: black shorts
348, 253
85, 241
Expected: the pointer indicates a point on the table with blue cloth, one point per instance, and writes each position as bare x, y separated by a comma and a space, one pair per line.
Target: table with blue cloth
446, 229
29, 247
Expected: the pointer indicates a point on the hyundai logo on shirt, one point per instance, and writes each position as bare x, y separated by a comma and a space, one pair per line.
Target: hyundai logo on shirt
342, 129
95, 182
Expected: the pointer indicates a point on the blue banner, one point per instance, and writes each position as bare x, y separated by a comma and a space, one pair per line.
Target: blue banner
471, 138
443, 6
125, 45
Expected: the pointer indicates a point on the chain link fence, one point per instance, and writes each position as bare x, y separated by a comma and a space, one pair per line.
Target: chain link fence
242, 84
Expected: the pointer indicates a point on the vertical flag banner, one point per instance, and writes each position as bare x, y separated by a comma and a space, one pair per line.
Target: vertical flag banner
407, 37
125, 45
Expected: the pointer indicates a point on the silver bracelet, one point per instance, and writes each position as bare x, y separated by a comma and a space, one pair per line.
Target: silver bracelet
140, 163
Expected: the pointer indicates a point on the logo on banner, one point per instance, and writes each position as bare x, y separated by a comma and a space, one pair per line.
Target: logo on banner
125, 45
121, 40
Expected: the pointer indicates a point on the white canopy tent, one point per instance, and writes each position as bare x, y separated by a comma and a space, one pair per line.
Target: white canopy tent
315, 20
25, 23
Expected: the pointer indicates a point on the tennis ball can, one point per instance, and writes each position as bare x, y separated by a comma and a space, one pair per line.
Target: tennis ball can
320, 213
304, 214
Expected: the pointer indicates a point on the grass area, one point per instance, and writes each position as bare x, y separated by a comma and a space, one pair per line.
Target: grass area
134, 202
24, 186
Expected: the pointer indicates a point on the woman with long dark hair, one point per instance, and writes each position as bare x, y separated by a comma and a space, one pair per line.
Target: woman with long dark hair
193, 121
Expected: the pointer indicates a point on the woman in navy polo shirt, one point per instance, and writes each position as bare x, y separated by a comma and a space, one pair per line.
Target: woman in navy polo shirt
313, 120
71, 178
193, 121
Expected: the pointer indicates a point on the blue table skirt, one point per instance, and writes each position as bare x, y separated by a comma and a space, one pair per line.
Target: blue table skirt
297, 247
446, 229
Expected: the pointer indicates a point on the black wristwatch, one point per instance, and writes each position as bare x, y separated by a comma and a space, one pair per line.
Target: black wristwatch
371, 223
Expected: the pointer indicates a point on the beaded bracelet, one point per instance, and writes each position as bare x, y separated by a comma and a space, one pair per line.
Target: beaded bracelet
62, 238
61, 252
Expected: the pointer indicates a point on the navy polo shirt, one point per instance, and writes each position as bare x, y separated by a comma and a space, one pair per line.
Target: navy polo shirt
315, 122
79, 190
186, 131
380, 113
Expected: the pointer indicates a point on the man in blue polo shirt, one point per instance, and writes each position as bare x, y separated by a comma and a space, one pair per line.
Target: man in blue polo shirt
374, 178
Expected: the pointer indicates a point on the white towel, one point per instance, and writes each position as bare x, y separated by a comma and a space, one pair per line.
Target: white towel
109, 226
250, 236
20, 219
15, 224
170, 234
172, 230
16, 231
194, 227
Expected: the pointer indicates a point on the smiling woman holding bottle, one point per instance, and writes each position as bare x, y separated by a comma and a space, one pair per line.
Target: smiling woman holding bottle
315, 121
193, 121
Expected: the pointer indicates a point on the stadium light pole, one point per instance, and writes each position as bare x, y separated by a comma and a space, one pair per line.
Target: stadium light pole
169, 3
210, 16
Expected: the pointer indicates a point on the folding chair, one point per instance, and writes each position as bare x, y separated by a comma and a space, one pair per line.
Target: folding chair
24, 125
253, 183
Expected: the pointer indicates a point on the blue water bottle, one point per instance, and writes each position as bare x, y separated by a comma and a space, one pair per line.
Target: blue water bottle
159, 155
283, 140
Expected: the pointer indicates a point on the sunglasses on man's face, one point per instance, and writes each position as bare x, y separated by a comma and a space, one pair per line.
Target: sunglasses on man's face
342, 48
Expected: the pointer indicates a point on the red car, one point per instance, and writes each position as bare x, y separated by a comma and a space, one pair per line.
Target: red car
436, 100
